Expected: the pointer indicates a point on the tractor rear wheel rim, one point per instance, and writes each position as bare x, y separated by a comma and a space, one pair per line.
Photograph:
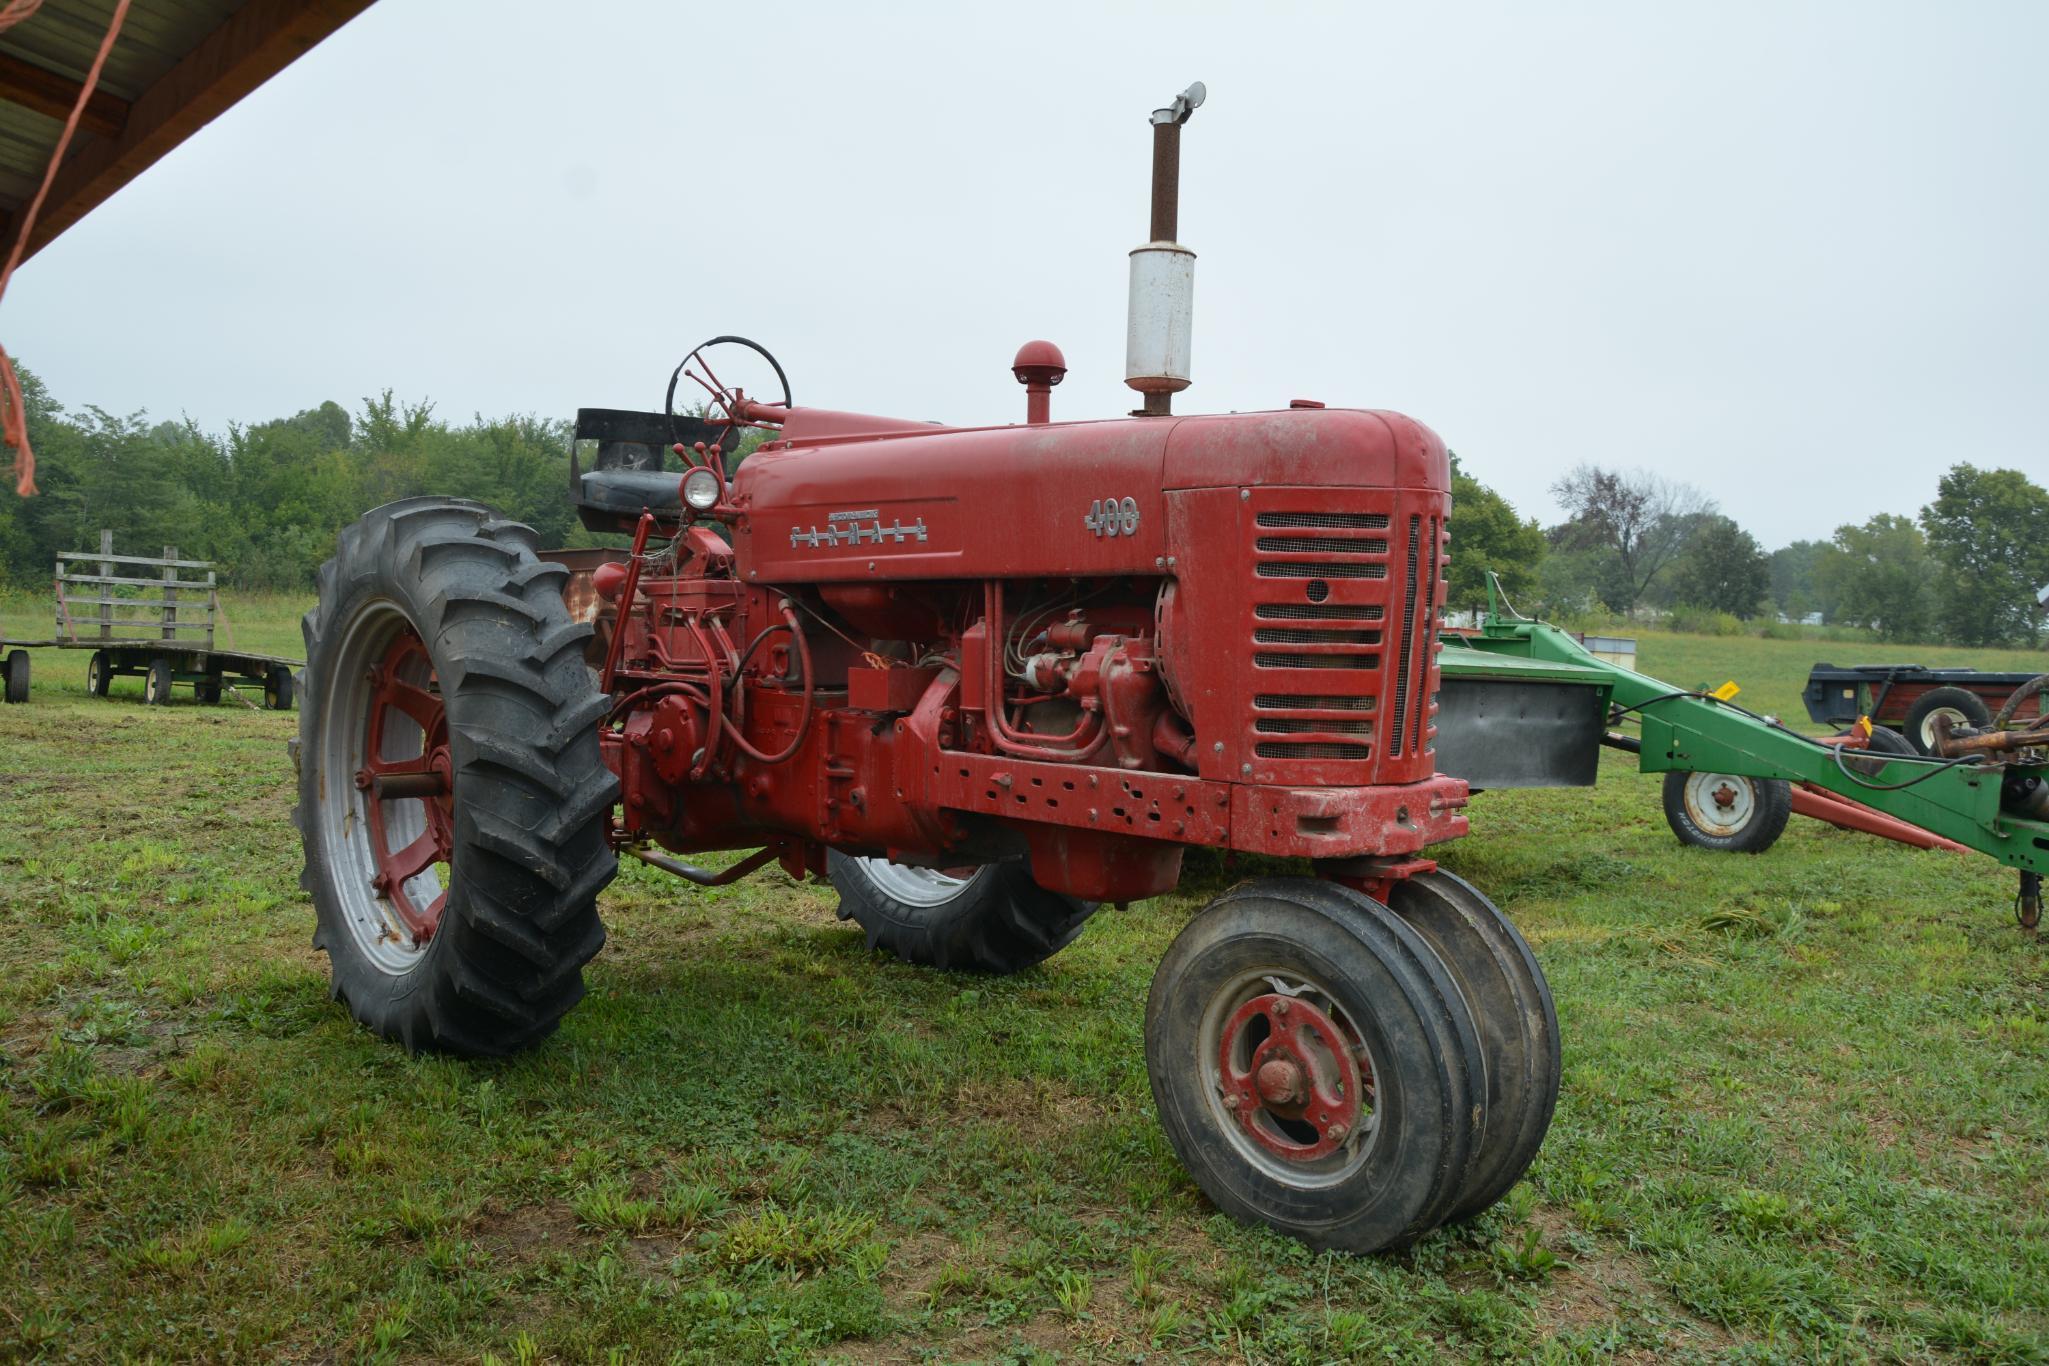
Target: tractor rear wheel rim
917, 886
387, 855
1720, 804
1289, 1078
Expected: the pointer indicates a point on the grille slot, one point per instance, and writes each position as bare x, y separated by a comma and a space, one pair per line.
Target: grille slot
1310, 725
1313, 570
1313, 611
1429, 635
1298, 701
1401, 680
1269, 659
1283, 635
1331, 521
1322, 545
1292, 749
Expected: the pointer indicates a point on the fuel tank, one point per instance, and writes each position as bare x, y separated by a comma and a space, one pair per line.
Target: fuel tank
840, 498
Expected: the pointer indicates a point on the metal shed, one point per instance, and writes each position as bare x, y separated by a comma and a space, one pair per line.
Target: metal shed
177, 65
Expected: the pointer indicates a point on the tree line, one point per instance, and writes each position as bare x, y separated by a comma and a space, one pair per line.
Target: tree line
265, 501
1970, 568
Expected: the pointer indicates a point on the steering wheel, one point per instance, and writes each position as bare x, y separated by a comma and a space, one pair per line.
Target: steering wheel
721, 404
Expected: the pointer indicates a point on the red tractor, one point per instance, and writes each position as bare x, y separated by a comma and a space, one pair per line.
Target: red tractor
983, 679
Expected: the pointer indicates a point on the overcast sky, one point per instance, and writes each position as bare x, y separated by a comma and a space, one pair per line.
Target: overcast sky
1796, 254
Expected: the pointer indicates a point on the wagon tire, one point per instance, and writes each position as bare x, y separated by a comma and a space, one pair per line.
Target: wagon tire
1882, 745
208, 690
995, 919
1962, 706
1727, 812
99, 672
158, 682
17, 671
1368, 1174
277, 689
438, 614
1512, 1009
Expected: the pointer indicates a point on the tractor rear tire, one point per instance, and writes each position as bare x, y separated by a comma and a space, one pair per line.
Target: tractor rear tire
1750, 822
16, 670
1315, 1065
439, 609
994, 920
158, 683
1963, 707
1512, 1009
99, 672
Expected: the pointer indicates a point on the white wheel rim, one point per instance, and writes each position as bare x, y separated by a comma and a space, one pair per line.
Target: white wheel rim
1956, 718
914, 886
373, 922
1720, 804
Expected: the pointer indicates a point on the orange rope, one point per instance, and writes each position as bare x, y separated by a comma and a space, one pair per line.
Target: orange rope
13, 422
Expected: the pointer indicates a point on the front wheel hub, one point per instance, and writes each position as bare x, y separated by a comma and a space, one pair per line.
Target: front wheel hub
1292, 1077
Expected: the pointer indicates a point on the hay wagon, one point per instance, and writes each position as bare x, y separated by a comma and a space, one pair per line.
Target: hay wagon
147, 617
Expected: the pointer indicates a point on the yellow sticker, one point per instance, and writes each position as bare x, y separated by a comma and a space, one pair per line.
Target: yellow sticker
1726, 691
1864, 726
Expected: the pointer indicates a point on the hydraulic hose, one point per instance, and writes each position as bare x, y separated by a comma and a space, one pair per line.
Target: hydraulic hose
788, 623
1006, 739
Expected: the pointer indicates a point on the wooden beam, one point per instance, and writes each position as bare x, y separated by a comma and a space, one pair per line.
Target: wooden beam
53, 95
252, 45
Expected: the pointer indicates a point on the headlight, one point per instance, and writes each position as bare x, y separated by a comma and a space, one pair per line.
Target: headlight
701, 489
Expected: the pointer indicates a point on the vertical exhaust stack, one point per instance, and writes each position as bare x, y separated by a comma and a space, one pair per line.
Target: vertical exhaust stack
1162, 312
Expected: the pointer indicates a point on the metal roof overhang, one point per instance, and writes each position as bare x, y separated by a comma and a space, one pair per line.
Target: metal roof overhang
177, 66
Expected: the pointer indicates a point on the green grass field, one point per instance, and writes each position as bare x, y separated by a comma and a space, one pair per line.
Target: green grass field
1805, 1110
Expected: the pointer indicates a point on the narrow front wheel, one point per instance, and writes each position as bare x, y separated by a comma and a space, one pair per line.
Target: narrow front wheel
1315, 1065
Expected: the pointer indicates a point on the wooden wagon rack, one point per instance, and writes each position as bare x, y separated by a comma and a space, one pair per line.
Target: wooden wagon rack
147, 617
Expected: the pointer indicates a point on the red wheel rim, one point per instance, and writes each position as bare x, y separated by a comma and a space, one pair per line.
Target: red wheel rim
1292, 1077
408, 780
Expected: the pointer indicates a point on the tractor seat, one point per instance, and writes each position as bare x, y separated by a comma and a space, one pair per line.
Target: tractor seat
628, 491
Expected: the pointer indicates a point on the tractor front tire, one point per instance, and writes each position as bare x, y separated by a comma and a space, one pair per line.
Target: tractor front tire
1726, 812
995, 919
1316, 1066
441, 651
1512, 1009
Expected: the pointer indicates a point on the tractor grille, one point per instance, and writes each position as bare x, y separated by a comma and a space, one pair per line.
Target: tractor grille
1336, 650
1317, 616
